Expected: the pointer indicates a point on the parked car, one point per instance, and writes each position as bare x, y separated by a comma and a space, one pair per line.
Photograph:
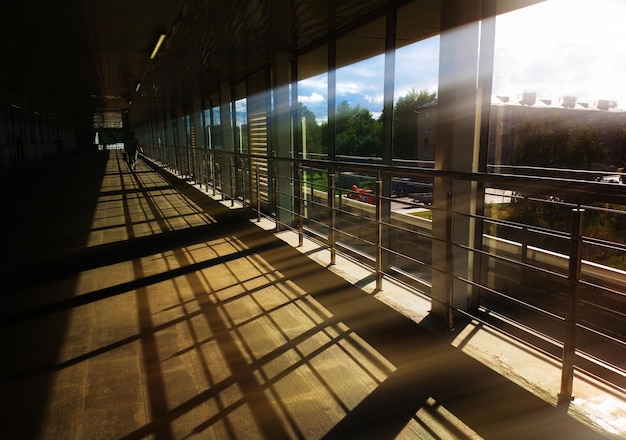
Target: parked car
362, 194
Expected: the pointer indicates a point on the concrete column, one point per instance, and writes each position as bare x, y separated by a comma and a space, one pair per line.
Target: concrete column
389, 87
196, 140
181, 140
228, 140
281, 137
457, 148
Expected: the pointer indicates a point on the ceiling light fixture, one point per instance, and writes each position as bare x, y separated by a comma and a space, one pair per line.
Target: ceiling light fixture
157, 46
138, 86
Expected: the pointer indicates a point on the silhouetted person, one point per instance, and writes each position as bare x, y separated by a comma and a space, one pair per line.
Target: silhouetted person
132, 148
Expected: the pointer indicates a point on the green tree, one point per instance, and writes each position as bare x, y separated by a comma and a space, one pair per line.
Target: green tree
357, 132
313, 131
405, 123
622, 153
543, 143
588, 150
558, 143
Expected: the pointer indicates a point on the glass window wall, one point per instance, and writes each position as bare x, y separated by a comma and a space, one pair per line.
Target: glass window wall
557, 115
241, 126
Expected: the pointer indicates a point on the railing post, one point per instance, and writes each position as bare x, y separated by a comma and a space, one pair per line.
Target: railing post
185, 171
206, 167
524, 248
333, 218
569, 342
212, 164
273, 193
311, 179
188, 162
448, 317
175, 163
300, 207
243, 182
525, 209
379, 234
258, 192
178, 168
201, 167
232, 181
222, 187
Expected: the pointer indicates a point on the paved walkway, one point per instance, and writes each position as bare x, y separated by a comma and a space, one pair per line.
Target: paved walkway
134, 306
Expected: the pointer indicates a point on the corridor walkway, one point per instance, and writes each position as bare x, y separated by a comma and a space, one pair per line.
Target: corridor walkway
134, 306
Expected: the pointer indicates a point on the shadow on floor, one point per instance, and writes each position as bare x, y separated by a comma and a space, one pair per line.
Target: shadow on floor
430, 380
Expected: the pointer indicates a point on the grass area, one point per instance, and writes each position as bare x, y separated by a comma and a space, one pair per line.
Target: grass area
601, 225
428, 215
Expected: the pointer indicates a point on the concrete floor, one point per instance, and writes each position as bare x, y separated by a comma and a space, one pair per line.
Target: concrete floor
135, 306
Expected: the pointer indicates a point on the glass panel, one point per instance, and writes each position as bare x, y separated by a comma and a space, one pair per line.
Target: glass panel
544, 90
313, 110
313, 100
206, 120
358, 134
415, 103
241, 126
360, 88
557, 113
414, 130
215, 129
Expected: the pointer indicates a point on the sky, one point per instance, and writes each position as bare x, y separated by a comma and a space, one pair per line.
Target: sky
563, 47
555, 48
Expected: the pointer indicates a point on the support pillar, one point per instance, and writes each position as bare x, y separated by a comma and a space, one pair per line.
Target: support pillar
228, 141
281, 139
457, 150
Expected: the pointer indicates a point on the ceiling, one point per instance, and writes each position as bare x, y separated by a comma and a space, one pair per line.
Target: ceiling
91, 54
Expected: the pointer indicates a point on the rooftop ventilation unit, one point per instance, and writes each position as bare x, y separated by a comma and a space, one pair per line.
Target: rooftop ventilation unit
569, 101
602, 104
528, 98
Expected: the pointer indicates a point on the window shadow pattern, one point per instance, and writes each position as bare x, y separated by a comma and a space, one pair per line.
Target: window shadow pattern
179, 318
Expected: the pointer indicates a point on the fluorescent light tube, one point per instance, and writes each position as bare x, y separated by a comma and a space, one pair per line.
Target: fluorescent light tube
157, 46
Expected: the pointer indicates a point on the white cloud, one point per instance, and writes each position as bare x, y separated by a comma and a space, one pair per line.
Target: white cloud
562, 47
417, 67
363, 83
377, 98
312, 98
555, 48
348, 87
319, 82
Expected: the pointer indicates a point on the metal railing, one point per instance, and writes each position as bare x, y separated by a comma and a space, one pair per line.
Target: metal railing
552, 298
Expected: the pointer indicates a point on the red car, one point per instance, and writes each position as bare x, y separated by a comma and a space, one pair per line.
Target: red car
362, 195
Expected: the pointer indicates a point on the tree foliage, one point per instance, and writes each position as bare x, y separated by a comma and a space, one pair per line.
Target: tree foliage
357, 132
405, 123
313, 131
557, 143
588, 146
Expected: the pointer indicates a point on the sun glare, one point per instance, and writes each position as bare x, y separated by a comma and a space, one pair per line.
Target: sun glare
562, 47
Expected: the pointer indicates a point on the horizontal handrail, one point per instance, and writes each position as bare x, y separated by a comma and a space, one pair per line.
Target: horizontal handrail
328, 210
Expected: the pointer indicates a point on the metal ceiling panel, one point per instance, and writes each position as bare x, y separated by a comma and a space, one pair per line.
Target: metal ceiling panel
94, 52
